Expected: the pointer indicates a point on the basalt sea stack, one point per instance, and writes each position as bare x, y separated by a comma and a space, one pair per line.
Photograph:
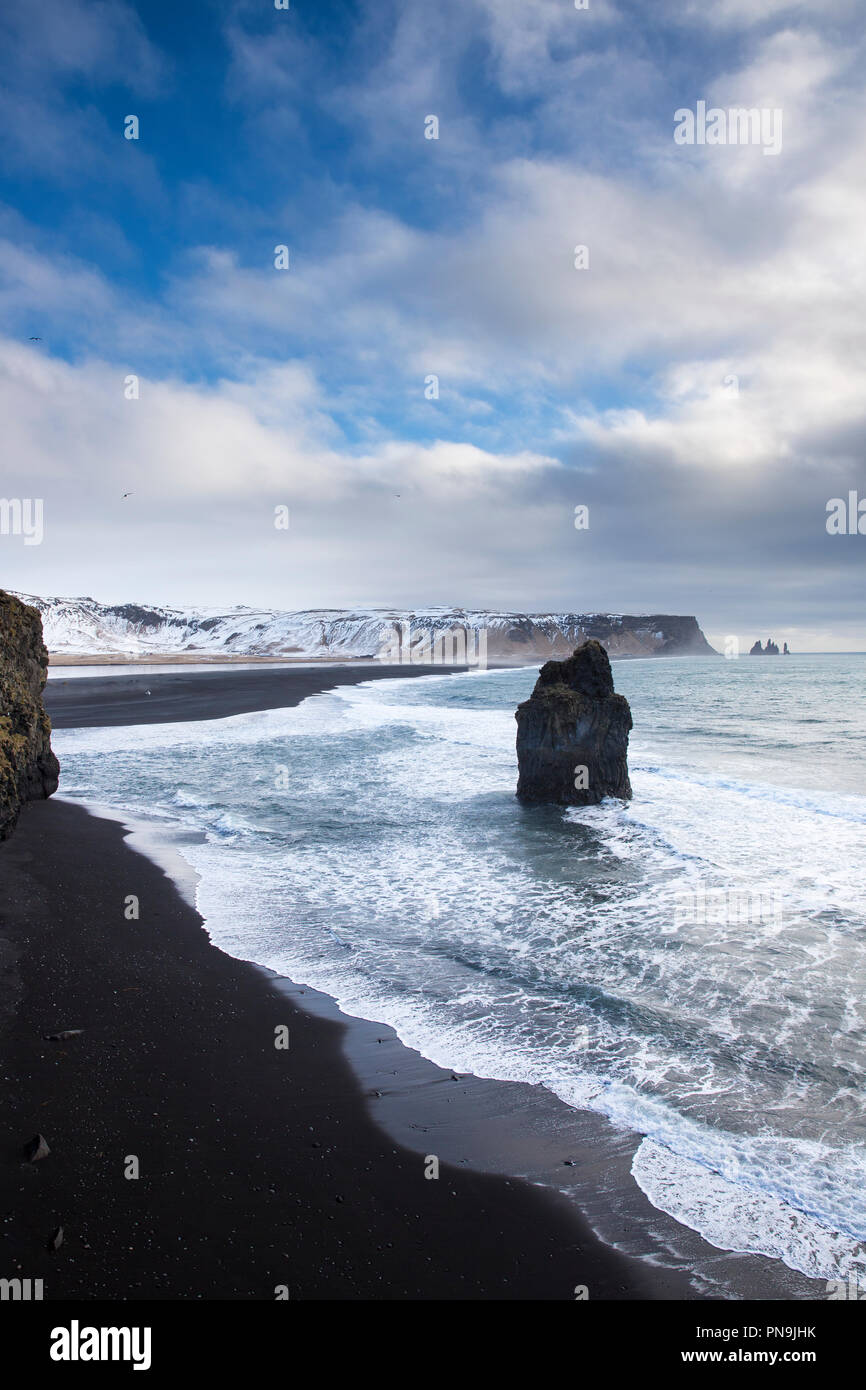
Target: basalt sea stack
29, 770
572, 733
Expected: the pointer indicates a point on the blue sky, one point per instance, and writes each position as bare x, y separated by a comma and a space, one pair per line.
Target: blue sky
609, 386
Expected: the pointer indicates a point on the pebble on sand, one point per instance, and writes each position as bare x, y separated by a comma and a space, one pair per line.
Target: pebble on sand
36, 1148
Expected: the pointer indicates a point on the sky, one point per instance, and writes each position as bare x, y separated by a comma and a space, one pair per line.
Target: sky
436, 379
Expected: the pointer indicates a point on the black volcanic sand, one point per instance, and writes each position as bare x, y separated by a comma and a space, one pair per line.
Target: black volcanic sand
244, 1150
258, 1167
95, 701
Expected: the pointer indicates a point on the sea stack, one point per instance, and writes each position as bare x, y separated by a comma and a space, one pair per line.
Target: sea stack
572, 733
29, 771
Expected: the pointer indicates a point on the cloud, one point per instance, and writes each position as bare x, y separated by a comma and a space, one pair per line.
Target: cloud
610, 386
103, 40
53, 134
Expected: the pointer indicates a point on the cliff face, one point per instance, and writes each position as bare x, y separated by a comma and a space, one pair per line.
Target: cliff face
29, 771
79, 626
572, 733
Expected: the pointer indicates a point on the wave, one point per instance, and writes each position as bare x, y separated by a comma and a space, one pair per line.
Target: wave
396, 872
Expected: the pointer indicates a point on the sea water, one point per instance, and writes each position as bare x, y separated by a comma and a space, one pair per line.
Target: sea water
691, 964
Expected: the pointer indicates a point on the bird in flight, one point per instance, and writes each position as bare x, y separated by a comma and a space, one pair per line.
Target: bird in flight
35, 340
127, 494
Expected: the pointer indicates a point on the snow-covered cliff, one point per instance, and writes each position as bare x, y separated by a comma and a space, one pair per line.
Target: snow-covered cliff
84, 627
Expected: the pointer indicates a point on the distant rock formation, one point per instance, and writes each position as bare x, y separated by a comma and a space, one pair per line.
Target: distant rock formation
29, 771
785, 651
770, 650
572, 733
82, 626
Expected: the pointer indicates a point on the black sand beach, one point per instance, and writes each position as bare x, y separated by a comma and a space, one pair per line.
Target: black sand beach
259, 1167
78, 702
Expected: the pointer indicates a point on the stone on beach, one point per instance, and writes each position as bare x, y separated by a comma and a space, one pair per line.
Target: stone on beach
36, 1148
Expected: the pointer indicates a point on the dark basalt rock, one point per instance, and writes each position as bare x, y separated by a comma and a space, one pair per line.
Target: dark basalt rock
36, 1149
29, 771
573, 720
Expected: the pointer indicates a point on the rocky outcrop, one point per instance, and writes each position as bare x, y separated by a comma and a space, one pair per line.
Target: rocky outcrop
771, 648
29, 771
572, 733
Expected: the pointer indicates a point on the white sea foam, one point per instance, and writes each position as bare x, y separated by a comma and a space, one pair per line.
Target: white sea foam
731, 1217
398, 874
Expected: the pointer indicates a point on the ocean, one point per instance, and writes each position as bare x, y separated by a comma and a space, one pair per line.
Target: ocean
692, 964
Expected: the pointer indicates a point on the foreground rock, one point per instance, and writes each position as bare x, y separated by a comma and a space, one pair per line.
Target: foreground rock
29, 770
572, 733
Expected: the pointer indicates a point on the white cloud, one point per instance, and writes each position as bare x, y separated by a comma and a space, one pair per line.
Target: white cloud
705, 264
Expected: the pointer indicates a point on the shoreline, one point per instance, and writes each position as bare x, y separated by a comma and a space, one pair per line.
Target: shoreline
99, 661
88, 702
539, 1145
514, 1130
258, 1167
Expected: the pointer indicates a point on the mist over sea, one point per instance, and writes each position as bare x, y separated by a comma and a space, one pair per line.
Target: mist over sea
692, 964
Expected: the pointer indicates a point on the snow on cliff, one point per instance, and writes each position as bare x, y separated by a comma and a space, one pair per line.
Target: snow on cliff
84, 627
